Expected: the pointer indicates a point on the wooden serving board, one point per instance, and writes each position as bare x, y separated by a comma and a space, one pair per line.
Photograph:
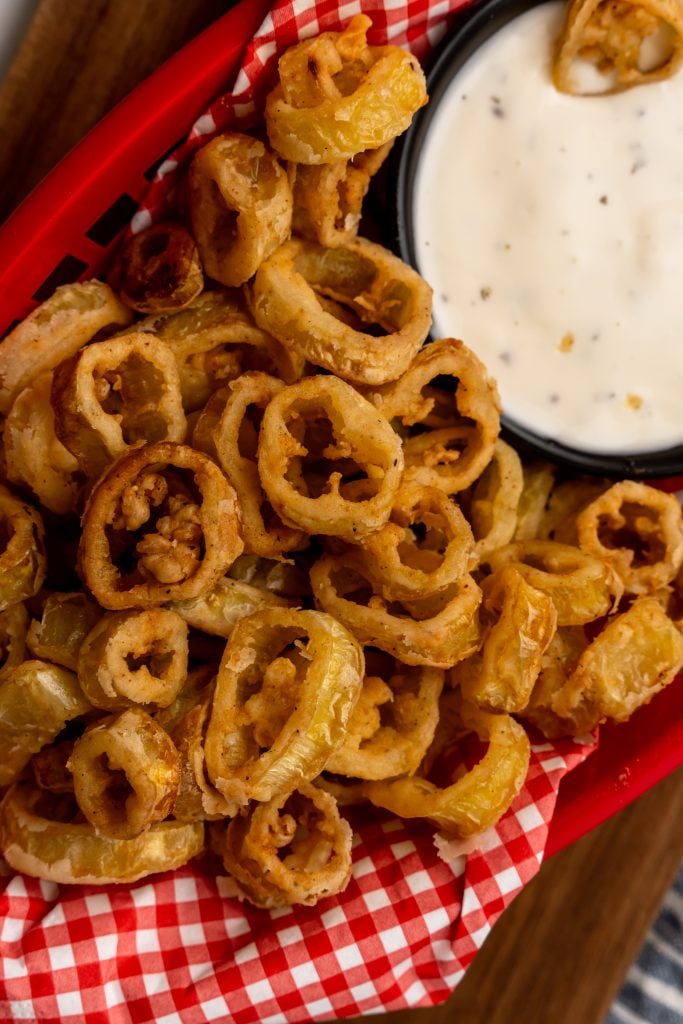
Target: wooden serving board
560, 952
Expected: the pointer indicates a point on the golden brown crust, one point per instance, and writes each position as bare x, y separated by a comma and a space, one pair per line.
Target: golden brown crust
190, 541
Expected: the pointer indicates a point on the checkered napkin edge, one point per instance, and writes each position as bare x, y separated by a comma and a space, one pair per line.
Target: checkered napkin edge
417, 24
181, 948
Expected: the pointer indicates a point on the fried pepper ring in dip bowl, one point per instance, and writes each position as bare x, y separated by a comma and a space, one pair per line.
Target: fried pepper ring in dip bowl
612, 34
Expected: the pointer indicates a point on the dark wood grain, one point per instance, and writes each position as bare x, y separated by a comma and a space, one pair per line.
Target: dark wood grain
78, 59
559, 953
561, 950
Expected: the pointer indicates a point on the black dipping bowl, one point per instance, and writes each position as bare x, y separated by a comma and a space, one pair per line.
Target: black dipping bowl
468, 31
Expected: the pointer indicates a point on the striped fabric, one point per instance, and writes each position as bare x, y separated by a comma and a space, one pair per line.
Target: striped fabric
652, 992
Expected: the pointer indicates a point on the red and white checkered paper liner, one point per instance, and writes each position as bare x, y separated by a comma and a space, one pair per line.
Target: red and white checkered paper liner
180, 948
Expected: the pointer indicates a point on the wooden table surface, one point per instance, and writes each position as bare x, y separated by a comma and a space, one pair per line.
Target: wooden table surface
560, 952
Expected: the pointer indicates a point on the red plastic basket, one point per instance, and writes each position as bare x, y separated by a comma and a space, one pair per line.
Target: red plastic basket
180, 949
65, 230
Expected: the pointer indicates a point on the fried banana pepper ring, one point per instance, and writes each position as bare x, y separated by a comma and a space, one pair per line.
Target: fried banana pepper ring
635, 656
240, 206
115, 394
557, 664
49, 767
287, 685
638, 530
296, 848
137, 657
236, 443
437, 631
159, 269
197, 686
502, 675
323, 424
393, 722
14, 623
66, 620
462, 423
197, 799
558, 522
282, 578
338, 96
328, 198
54, 331
477, 800
539, 479
126, 773
36, 701
193, 530
229, 601
425, 547
61, 851
582, 586
494, 501
288, 300
23, 563
213, 341
611, 34
34, 455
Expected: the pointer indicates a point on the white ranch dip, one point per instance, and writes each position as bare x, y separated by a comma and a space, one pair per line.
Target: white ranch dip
551, 229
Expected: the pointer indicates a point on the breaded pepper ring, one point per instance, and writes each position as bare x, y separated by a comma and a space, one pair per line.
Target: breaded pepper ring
197, 799
34, 455
46, 847
240, 206
159, 269
638, 530
520, 623
162, 524
328, 197
65, 621
287, 685
377, 287
337, 96
438, 631
14, 623
478, 799
316, 433
494, 500
463, 424
583, 586
217, 611
136, 657
393, 722
538, 482
23, 563
36, 701
126, 773
609, 34
426, 545
54, 331
296, 848
213, 340
235, 438
635, 656
114, 394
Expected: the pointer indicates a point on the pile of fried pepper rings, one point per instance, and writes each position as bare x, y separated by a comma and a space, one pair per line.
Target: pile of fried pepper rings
307, 566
